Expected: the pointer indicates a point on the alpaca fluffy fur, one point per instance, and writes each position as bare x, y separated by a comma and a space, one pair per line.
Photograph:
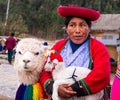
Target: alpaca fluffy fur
62, 74
29, 60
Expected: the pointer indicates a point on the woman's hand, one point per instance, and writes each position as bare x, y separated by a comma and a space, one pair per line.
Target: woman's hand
65, 91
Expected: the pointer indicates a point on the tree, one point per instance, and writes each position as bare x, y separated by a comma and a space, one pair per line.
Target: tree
40, 17
3, 6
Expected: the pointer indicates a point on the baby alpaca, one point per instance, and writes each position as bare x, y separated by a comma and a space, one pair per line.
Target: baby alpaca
67, 75
29, 61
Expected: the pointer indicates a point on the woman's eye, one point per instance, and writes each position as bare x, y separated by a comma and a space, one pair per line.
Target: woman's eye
37, 53
82, 24
72, 25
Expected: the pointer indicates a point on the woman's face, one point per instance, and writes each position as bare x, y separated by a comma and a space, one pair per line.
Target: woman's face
77, 30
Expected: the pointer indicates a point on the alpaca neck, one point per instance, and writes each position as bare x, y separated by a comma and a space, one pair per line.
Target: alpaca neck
28, 77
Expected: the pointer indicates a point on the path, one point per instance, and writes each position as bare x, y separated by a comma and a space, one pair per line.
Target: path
8, 79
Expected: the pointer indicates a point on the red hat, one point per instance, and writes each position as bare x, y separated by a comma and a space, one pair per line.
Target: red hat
56, 56
53, 54
73, 10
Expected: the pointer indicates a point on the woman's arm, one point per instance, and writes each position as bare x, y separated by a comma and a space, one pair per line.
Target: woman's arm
99, 77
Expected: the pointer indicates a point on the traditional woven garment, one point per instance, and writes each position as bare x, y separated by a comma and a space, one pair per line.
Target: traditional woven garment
78, 58
30, 92
115, 91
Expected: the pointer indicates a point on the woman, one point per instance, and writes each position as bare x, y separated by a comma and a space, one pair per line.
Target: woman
79, 49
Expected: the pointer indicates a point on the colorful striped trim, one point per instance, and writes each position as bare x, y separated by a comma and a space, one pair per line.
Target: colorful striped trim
86, 88
46, 83
30, 92
37, 93
118, 73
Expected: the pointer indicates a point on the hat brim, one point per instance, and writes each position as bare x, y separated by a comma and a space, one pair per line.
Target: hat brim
91, 14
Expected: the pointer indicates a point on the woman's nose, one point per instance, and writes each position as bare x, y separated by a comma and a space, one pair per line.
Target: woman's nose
77, 29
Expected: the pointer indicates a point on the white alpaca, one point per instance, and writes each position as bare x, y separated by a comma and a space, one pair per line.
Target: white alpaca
29, 62
68, 75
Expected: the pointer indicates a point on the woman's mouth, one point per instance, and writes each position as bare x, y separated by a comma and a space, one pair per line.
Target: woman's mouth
78, 37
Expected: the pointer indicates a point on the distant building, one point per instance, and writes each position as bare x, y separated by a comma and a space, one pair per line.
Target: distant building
107, 30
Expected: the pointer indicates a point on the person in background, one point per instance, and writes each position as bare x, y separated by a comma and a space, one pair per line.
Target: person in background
4, 46
1, 47
10, 44
80, 49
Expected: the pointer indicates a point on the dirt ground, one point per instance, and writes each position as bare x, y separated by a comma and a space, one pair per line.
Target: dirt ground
5, 98
8, 80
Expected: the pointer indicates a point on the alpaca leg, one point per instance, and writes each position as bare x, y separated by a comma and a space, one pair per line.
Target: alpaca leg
55, 89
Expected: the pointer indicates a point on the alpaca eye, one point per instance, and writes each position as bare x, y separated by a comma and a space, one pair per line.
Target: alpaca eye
19, 52
37, 53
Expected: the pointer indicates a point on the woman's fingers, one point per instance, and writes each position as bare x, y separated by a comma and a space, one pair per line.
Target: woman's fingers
65, 91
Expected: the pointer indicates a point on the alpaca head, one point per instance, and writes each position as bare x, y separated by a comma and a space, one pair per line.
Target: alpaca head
54, 58
29, 59
29, 54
